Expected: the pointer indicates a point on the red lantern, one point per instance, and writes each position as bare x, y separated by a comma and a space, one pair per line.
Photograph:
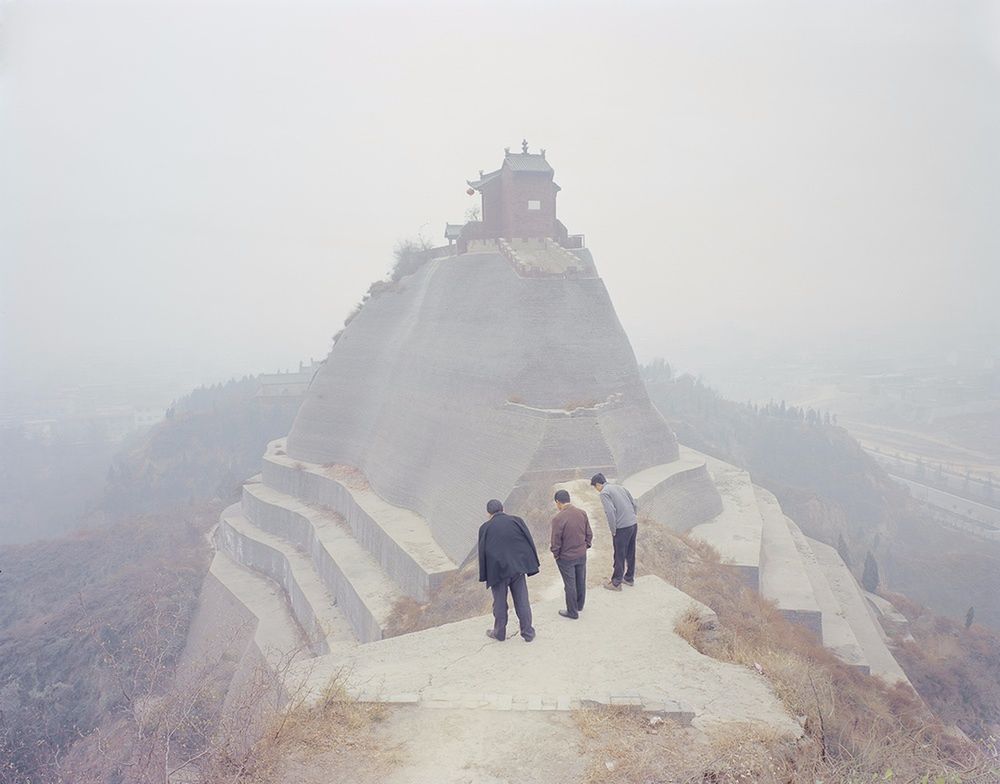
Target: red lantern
471, 191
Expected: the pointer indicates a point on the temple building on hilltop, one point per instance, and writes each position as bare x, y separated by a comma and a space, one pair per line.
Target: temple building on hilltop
518, 202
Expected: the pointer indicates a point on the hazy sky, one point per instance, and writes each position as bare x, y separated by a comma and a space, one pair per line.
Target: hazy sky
208, 188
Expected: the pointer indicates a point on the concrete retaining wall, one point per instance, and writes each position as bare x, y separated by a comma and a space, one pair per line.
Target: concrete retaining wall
257, 555
683, 500
311, 487
365, 620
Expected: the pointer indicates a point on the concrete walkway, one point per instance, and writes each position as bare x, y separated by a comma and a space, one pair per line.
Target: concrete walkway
623, 650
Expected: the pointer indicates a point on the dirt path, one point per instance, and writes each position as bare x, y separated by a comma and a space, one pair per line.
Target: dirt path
482, 747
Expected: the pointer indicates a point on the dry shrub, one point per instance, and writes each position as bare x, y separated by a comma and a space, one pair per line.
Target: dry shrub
856, 726
333, 733
689, 626
459, 596
627, 746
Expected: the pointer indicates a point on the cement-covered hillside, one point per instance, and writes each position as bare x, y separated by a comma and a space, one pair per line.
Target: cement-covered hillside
467, 379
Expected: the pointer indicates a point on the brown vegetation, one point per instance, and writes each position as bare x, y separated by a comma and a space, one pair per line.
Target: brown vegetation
856, 726
627, 746
954, 668
459, 596
79, 612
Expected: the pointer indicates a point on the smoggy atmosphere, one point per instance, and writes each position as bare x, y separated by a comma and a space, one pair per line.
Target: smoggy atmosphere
195, 191
499, 393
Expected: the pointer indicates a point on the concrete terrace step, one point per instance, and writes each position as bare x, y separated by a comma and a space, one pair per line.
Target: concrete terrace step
311, 604
838, 636
737, 531
678, 494
276, 633
855, 609
783, 575
360, 586
398, 538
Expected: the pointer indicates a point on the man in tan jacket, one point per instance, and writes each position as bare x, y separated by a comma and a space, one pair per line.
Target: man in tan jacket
571, 538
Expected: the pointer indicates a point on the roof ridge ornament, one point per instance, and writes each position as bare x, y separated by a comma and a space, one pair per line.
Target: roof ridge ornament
524, 146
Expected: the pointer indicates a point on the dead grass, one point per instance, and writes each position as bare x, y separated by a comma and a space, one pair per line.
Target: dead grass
627, 746
459, 596
332, 738
856, 726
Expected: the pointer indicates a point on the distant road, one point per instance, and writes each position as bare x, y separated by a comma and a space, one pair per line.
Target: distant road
979, 519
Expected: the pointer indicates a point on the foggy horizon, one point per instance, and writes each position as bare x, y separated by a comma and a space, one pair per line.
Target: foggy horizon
206, 191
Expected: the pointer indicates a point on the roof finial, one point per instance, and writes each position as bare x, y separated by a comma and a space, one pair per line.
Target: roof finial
543, 152
524, 146
506, 151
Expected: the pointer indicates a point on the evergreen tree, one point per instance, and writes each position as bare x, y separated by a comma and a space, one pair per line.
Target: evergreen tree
870, 578
970, 616
845, 554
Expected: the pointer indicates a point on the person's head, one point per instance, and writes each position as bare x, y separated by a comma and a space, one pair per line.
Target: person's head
562, 498
598, 481
493, 507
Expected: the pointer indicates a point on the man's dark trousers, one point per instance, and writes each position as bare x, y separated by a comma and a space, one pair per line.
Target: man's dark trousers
624, 555
518, 585
574, 574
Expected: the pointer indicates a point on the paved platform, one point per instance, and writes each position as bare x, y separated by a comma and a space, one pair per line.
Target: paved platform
623, 650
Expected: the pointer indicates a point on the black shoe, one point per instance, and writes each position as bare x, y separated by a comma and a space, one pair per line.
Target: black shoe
565, 614
630, 583
493, 635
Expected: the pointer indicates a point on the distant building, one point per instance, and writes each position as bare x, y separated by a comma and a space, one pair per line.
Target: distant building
289, 385
144, 418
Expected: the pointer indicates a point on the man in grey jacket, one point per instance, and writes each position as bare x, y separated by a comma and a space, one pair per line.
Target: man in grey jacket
620, 507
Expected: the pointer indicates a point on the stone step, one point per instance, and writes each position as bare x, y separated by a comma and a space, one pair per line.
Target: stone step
312, 606
399, 539
783, 575
737, 531
362, 590
852, 601
838, 636
679, 495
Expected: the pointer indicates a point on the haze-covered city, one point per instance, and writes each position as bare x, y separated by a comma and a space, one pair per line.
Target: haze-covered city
333, 335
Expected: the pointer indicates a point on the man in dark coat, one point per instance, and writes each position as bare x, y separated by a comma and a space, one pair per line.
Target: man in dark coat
507, 556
